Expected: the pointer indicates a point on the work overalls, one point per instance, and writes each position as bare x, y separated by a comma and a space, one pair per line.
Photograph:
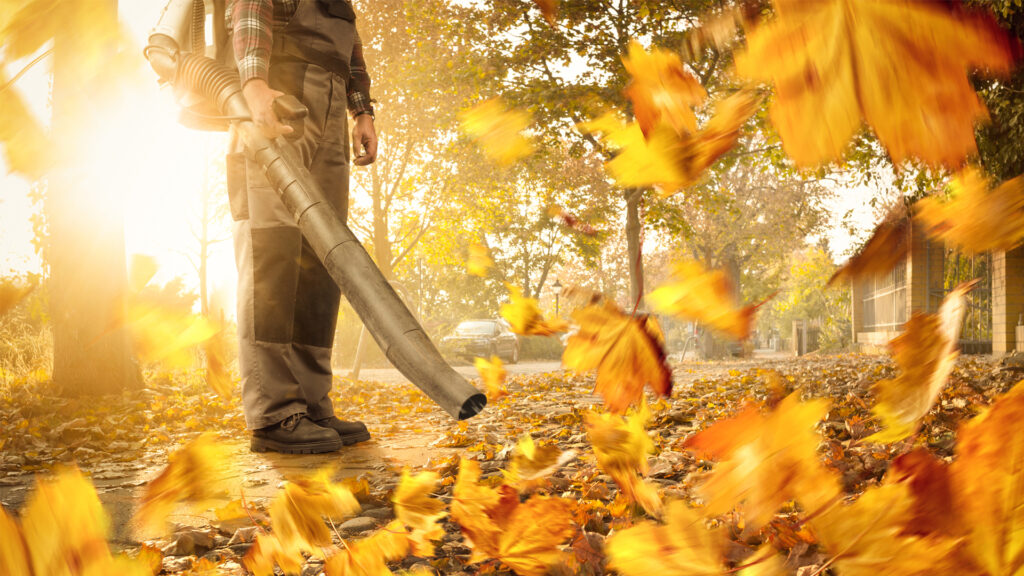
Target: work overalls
287, 303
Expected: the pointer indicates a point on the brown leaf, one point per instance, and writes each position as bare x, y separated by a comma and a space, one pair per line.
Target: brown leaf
887, 247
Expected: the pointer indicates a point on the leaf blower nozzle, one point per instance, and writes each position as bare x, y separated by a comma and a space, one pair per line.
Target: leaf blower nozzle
385, 316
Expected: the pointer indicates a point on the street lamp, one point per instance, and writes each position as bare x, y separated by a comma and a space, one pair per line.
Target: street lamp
557, 288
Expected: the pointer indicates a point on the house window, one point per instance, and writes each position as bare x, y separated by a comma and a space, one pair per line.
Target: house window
885, 300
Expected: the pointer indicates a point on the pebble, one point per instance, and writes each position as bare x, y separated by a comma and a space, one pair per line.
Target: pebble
358, 524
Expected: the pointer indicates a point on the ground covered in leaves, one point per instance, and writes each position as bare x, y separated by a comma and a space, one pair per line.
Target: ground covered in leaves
125, 441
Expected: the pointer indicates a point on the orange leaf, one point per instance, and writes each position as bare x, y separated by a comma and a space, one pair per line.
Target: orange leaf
493, 373
708, 296
929, 481
523, 315
899, 65
683, 546
549, 8
193, 474
415, 508
887, 247
369, 556
532, 464
661, 89
976, 218
621, 446
767, 460
627, 352
266, 551
925, 353
297, 512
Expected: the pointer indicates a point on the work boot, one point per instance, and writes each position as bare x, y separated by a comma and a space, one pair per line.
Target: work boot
350, 432
296, 434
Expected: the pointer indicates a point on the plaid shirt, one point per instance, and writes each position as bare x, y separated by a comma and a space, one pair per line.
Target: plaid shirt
253, 23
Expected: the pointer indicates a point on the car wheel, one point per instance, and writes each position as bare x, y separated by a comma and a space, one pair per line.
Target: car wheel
514, 358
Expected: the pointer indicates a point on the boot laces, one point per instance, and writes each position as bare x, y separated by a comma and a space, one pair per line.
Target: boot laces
292, 421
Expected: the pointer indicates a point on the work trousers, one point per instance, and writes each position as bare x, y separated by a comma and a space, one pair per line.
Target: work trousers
287, 302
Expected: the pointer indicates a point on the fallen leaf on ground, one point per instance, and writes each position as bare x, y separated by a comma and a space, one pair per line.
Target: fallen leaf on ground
974, 217
707, 296
628, 353
925, 353
900, 66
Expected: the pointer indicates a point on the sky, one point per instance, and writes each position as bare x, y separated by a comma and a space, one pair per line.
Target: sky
162, 167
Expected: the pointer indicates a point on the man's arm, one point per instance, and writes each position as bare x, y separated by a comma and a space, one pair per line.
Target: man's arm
360, 106
252, 25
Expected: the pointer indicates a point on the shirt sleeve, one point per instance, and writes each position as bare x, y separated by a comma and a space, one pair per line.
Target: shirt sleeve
252, 24
359, 82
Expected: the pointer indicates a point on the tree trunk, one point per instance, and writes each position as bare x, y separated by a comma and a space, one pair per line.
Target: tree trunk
634, 248
91, 351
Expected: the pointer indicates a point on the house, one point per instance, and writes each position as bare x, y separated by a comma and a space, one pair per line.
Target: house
882, 303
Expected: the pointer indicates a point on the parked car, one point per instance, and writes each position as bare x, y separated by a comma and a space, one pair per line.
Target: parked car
483, 338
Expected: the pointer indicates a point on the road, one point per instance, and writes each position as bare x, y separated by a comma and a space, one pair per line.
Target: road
393, 376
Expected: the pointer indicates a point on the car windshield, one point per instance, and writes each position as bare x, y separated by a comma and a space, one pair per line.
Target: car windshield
476, 328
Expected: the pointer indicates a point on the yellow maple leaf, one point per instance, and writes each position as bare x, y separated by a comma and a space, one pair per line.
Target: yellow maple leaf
523, 315
925, 353
661, 89
531, 463
194, 474
493, 374
526, 536
621, 446
415, 508
899, 65
708, 296
497, 130
14, 558
628, 353
766, 460
867, 538
266, 552
986, 479
974, 217
664, 158
479, 262
297, 512
682, 546
369, 556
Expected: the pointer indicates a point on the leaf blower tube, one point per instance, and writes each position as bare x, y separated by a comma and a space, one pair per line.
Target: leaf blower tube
379, 307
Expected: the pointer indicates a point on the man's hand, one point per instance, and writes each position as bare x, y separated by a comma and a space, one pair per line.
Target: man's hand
260, 98
364, 140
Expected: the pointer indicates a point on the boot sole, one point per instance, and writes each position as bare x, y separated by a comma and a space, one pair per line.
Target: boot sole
268, 445
355, 437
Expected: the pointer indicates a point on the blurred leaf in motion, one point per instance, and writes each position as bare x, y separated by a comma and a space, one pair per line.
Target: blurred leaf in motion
628, 353
194, 474
26, 148
900, 66
549, 9
622, 447
523, 315
370, 556
925, 353
479, 262
975, 217
682, 546
267, 551
497, 130
531, 463
661, 89
887, 246
297, 512
493, 374
570, 221
707, 296
416, 508
765, 461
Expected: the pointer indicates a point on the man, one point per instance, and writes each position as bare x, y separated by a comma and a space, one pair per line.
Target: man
288, 304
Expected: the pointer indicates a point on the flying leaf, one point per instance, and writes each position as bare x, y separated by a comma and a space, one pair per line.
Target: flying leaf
766, 460
369, 556
14, 558
267, 551
716, 31
570, 221
526, 536
708, 296
531, 464
976, 218
866, 538
493, 373
930, 485
497, 130
887, 246
479, 261
415, 508
523, 315
682, 546
925, 353
900, 66
987, 475
549, 8
621, 446
628, 353
26, 148
661, 89
193, 474
297, 512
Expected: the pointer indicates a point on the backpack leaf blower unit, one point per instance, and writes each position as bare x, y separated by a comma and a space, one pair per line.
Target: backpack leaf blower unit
173, 52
